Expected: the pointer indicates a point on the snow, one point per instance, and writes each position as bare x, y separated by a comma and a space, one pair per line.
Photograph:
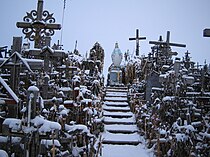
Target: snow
76, 127
33, 89
45, 125
125, 151
49, 126
3, 153
121, 127
14, 124
116, 103
181, 137
115, 98
49, 143
168, 98
9, 90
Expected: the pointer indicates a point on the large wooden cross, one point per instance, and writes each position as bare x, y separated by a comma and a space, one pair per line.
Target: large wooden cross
166, 44
38, 24
137, 38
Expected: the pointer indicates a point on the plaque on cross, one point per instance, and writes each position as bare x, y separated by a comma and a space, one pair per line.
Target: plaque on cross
38, 25
137, 38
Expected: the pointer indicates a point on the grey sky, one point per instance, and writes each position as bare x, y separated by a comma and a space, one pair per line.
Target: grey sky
108, 21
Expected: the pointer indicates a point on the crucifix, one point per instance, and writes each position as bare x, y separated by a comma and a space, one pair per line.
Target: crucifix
137, 38
38, 25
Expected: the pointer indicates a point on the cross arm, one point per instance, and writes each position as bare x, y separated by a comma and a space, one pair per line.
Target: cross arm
38, 25
141, 38
165, 43
177, 45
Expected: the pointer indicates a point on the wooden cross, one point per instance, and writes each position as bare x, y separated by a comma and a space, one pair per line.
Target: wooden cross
137, 38
166, 44
38, 24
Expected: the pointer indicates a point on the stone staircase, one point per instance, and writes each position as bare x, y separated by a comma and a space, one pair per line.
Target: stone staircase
119, 121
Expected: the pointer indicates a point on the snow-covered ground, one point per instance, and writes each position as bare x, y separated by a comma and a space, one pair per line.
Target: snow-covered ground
120, 137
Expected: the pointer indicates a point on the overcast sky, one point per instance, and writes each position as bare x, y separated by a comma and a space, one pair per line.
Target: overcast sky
110, 21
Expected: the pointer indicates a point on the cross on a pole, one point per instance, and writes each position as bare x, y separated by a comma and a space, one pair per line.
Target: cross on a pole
137, 38
38, 24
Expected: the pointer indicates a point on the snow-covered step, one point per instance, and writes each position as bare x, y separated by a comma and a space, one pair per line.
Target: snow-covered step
118, 114
124, 151
116, 94
110, 120
121, 139
119, 104
121, 128
116, 108
118, 99
116, 90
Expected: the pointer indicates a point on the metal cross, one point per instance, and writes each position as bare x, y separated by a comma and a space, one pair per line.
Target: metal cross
137, 38
38, 25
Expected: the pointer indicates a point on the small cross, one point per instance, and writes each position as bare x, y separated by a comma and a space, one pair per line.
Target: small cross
137, 38
38, 24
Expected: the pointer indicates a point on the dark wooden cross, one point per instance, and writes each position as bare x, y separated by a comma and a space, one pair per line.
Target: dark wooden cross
38, 25
137, 38
166, 44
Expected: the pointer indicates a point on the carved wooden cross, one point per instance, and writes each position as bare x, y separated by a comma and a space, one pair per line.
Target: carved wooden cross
38, 24
137, 38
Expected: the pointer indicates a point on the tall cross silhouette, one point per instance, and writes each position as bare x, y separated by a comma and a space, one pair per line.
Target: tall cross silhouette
137, 38
38, 24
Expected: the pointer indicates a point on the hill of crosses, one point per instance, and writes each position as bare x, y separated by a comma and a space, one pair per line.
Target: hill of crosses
55, 103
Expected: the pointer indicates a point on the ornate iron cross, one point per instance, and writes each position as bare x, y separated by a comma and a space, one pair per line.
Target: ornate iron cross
38, 24
137, 38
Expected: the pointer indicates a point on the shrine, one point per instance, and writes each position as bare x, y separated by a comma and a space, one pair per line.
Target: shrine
115, 70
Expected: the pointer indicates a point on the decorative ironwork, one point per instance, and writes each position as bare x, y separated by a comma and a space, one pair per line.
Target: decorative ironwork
38, 24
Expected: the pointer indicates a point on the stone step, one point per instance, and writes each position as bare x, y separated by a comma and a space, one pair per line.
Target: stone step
127, 121
116, 95
119, 128
111, 87
116, 108
121, 139
116, 99
116, 90
118, 114
119, 104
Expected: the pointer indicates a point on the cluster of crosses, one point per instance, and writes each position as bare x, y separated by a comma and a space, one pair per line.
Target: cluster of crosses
171, 100
50, 99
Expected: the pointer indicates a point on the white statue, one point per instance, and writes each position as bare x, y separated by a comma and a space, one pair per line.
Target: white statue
117, 56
